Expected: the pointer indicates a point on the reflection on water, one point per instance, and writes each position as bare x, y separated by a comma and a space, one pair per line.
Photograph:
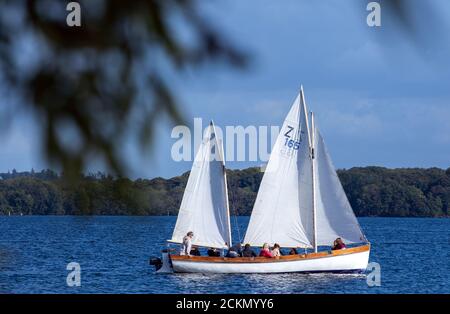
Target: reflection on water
266, 283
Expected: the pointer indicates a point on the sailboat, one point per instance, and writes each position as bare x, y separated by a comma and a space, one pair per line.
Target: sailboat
300, 204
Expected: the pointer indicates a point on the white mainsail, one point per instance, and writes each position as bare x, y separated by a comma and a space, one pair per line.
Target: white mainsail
335, 217
204, 208
283, 208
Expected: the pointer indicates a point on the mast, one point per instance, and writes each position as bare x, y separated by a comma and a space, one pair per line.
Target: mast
313, 182
228, 205
311, 139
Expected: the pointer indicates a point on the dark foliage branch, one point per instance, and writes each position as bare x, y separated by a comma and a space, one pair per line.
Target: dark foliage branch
104, 79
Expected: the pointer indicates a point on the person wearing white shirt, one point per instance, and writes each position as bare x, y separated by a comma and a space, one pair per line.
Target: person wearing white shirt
186, 246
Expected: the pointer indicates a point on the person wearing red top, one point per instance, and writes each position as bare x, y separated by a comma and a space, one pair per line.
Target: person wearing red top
338, 244
265, 252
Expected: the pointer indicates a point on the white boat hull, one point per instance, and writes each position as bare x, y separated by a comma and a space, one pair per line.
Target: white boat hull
331, 262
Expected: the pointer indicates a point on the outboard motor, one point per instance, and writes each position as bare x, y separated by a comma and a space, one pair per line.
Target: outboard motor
163, 264
156, 261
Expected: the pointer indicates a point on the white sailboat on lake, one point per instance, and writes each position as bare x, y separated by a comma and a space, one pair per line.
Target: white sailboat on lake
300, 204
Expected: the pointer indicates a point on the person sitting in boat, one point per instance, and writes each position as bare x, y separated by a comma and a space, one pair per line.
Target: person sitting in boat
265, 252
248, 252
186, 246
276, 250
195, 251
293, 251
213, 252
338, 244
235, 251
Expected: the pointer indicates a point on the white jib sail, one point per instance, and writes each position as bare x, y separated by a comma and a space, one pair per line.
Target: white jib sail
334, 215
283, 208
204, 208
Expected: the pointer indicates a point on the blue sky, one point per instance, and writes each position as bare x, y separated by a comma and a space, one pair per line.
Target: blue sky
380, 97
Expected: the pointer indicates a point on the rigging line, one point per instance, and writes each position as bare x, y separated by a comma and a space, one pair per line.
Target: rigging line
237, 227
233, 197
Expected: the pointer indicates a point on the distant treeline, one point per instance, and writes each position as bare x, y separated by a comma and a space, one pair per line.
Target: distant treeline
372, 191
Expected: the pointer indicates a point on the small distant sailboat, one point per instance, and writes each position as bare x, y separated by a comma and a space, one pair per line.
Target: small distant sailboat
300, 204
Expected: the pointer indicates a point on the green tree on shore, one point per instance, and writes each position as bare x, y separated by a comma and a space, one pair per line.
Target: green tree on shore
372, 191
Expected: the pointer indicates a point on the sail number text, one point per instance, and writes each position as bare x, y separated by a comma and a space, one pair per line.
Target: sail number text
289, 142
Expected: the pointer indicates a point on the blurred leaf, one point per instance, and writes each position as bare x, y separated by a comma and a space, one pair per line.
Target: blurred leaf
89, 77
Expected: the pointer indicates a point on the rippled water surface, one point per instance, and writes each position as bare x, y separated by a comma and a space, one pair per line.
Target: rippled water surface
113, 252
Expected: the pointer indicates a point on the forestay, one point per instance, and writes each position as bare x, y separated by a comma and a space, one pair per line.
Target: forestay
283, 208
204, 208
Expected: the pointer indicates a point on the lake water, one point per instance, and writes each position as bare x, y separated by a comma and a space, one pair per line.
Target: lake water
414, 255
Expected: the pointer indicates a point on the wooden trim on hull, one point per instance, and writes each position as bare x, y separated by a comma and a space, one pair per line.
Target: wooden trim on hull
284, 258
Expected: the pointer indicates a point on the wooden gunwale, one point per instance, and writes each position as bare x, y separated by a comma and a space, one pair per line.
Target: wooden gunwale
284, 258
